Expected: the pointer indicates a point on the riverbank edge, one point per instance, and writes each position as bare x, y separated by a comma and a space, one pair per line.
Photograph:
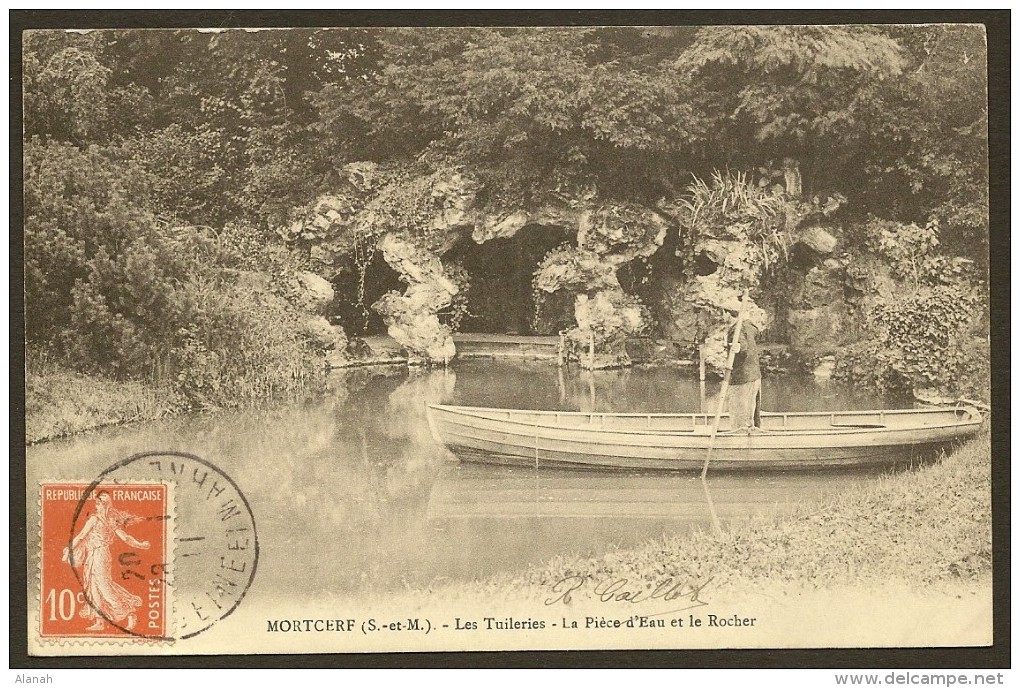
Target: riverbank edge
65, 403
926, 529
61, 404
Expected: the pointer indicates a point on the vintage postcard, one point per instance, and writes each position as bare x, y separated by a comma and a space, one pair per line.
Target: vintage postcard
428, 339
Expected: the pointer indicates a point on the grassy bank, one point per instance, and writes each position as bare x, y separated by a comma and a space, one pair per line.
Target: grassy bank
918, 528
60, 403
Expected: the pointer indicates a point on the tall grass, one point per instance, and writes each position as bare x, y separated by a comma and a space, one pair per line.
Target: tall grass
241, 349
60, 402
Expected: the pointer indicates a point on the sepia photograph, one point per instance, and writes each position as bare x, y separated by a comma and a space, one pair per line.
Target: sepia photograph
463, 338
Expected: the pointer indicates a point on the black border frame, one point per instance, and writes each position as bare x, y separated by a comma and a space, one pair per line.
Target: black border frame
997, 25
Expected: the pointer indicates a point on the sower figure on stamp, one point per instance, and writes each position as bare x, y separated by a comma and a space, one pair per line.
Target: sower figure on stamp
90, 550
745, 378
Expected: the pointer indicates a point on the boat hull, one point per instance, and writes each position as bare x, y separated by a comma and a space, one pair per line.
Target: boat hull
680, 442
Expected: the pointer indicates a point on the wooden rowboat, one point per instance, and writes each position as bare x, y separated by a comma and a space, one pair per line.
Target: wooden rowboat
680, 441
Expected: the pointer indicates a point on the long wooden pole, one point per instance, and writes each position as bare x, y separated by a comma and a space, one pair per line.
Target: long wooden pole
716, 526
725, 384
701, 379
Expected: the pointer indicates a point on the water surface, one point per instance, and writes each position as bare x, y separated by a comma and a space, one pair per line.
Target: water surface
351, 493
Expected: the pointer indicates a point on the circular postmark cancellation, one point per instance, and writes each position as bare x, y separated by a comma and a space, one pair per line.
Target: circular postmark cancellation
172, 588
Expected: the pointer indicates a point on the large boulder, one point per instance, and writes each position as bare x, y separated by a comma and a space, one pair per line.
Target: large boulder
576, 270
499, 227
816, 332
678, 319
621, 233
420, 214
325, 336
324, 220
412, 317
312, 293
822, 286
608, 236
736, 269
506, 225
607, 318
818, 240
609, 312
415, 264
452, 197
416, 328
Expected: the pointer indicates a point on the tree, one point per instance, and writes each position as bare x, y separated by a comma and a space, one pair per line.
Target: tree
527, 111
66, 87
77, 204
800, 92
130, 132
930, 138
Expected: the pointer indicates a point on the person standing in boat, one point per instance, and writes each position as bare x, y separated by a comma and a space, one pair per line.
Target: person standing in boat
745, 378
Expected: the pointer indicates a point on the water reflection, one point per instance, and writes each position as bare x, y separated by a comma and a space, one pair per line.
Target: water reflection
351, 492
499, 492
499, 518
640, 390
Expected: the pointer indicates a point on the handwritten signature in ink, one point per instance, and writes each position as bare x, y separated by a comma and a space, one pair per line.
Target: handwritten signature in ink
623, 590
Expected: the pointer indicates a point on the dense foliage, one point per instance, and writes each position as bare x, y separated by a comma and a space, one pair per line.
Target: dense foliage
930, 333
115, 291
143, 146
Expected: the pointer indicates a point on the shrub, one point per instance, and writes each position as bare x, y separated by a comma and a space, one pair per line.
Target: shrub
240, 348
731, 205
931, 333
187, 171
78, 204
923, 339
112, 292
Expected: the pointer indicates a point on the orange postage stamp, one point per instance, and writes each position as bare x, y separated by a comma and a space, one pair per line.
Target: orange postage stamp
104, 561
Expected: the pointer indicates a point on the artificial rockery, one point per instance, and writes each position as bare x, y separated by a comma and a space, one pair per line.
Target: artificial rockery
736, 233
741, 233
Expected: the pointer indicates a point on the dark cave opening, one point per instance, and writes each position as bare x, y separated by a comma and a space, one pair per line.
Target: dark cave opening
654, 279
351, 308
500, 299
704, 265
